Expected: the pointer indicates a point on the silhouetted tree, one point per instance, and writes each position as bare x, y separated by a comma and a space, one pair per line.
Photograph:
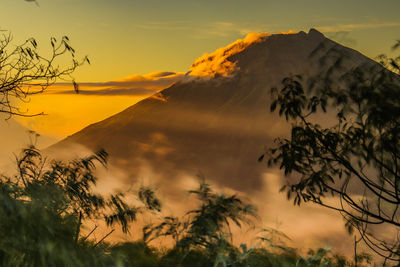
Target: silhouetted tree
44, 206
24, 71
356, 159
206, 229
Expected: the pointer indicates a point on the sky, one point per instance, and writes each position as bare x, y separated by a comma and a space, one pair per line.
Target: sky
125, 37
134, 37
137, 47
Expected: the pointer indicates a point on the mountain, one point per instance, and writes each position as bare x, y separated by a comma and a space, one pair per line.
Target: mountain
217, 120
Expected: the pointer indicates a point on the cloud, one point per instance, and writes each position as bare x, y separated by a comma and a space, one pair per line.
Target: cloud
15, 137
308, 226
207, 30
162, 25
208, 65
218, 63
203, 30
96, 100
110, 92
135, 85
359, 26
225, 29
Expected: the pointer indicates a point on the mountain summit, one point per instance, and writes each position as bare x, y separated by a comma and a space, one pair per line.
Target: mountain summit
216, 121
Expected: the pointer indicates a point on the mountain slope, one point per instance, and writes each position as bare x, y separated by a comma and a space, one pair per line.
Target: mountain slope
216, 121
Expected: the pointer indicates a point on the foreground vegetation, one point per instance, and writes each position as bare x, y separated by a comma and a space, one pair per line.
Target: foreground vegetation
46, 203
355, 157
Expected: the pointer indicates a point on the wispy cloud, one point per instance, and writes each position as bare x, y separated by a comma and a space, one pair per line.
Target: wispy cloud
112, 92
217, 63
135, 85
356, 26
225, 29
206, 29
164, 25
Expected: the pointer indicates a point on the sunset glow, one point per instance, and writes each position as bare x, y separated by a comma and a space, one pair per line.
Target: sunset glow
217, 63
199, 133
118, 47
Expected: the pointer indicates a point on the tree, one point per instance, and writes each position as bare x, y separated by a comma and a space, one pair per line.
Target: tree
45, 205
356, 159
24, 71
204, 233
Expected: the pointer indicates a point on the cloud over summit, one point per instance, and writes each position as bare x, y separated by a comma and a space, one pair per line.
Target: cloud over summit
218, 63
215, 64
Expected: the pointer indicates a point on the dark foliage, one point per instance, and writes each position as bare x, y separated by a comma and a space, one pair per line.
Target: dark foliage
24, 71
45, 205
355, 159
43, 208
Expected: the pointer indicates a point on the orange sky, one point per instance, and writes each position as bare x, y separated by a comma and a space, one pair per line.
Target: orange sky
68, 112
126, 38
